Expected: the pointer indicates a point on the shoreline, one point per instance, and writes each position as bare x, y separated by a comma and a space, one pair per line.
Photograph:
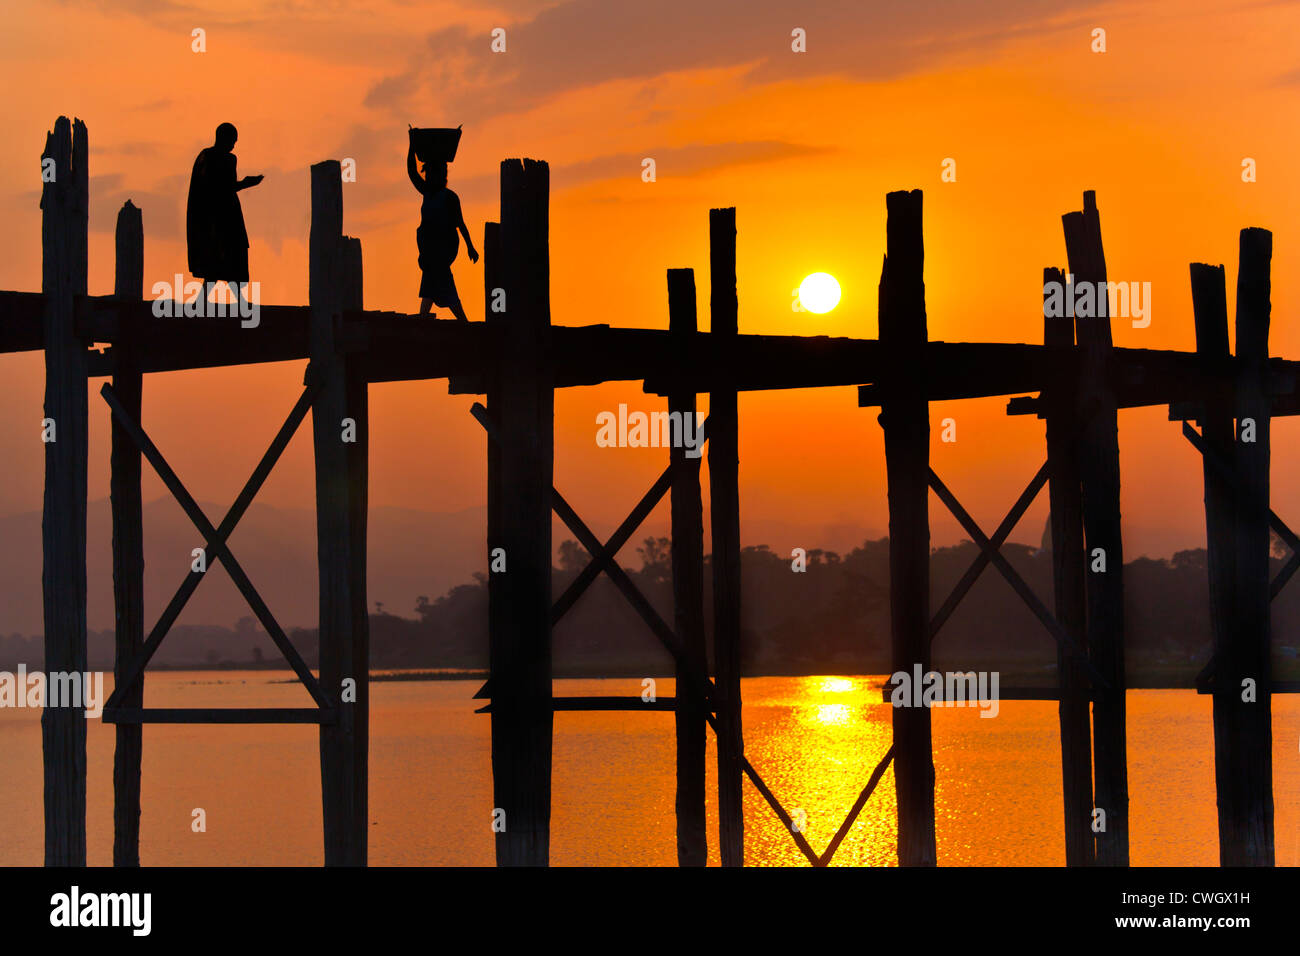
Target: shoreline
1016, 679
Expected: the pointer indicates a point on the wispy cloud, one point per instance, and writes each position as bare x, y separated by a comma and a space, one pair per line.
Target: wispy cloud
587, 42
676, 161
1290, 78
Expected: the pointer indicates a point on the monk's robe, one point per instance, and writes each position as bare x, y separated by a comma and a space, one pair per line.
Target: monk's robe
214, 220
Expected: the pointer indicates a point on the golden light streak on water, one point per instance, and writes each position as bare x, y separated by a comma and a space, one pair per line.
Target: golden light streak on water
815, 740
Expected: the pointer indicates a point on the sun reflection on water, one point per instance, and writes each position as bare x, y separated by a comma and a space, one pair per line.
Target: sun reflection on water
835, 685
833, 714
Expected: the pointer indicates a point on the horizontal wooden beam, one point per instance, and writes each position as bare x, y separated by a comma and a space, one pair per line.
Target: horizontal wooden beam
1147, 377
166, 344
659, 704
21, 328
400, 347
1274, 687
1053, 693
217, 715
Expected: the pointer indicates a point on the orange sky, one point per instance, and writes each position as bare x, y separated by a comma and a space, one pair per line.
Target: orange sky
804, 145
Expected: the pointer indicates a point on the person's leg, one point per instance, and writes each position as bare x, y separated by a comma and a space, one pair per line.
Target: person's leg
457, 310
210, 286
425, 305
243, 306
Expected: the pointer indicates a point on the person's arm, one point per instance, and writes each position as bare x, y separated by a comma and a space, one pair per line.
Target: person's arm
244, 183
464, 231
416, 180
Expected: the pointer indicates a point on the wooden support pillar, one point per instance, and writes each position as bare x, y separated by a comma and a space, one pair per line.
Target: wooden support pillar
497, 611
1068, 570
64, 203
688, 592
905, 417
357, 451
340, 431
1210, 309
520, 648
724, 512
1099, 469
1249, 764
128, 536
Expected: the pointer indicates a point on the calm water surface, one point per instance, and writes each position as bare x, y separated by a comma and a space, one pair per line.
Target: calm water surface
815, 740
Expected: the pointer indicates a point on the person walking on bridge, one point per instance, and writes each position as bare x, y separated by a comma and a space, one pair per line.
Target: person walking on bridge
214, 221
436, 238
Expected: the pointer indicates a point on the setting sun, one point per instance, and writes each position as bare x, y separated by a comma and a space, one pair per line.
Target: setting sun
819, 292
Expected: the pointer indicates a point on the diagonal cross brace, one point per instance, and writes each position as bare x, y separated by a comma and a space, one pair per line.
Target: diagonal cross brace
1227, 475
990, 551
1015, 580
858, 804
604, 555
1277, 524
669, 638
985, 556
601, 561
660, 628
959, 592
215, 544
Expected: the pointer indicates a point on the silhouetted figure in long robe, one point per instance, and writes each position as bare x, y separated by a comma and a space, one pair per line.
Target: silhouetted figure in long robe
214, 220
436, 239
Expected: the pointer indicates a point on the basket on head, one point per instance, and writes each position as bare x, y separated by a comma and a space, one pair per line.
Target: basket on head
435, 144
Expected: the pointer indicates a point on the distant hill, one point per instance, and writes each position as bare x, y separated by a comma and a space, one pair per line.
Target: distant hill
831, 618
411, 553
834, 618
429, 600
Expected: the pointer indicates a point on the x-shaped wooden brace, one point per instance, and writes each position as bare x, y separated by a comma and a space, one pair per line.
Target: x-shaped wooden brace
603, 558
1226, 474
989, 553
216, 547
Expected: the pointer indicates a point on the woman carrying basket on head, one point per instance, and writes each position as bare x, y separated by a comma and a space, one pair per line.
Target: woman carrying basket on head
440, 220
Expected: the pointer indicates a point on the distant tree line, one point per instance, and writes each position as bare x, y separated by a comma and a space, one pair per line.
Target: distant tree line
832, 617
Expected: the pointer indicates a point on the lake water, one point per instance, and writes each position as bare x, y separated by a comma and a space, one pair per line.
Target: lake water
814, 740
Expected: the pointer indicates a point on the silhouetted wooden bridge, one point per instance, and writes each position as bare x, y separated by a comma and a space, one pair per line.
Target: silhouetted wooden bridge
516, 359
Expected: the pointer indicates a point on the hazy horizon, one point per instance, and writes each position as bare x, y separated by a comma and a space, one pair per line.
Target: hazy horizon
274, 538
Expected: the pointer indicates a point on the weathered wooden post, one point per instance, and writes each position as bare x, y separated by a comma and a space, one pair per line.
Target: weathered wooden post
357, 450
688, 591
724, 511
905, 417
1210, 310
128, 533
1249, 840
64, 221
340, 431
1068, 570
520, 649
1099, 469
498, 614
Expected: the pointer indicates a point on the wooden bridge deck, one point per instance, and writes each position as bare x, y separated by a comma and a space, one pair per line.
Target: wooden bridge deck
393, 346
